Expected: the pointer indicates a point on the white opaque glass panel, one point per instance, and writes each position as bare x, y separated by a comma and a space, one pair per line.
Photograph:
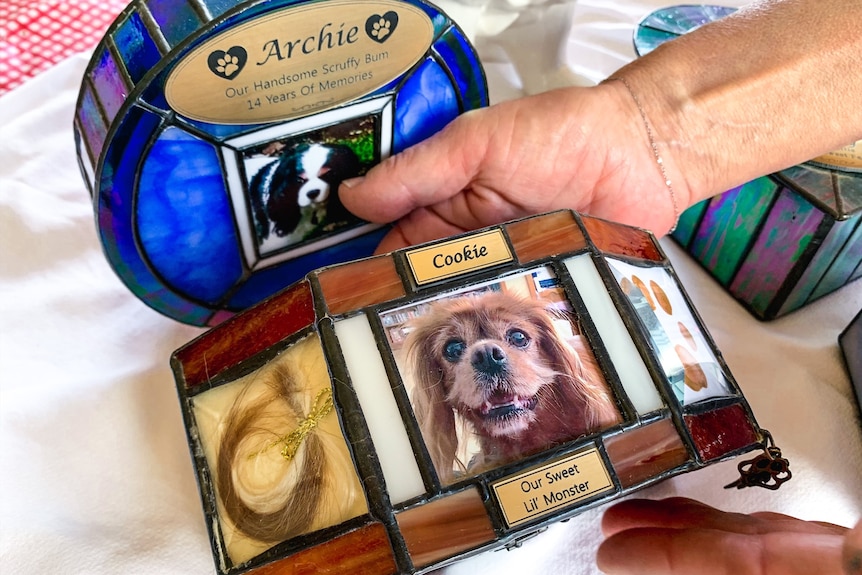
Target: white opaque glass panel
382, 416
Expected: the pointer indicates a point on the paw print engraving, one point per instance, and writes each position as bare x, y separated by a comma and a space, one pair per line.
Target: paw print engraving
380, 29
227, 65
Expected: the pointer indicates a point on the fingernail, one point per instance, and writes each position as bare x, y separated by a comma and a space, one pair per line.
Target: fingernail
350, 182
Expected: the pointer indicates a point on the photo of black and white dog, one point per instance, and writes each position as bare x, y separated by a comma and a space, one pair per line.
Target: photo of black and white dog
295, 196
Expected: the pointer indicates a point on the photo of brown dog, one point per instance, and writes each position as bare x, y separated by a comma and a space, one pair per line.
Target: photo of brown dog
497, 365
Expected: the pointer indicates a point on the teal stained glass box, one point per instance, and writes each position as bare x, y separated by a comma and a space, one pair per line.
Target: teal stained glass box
780, 241
774, 243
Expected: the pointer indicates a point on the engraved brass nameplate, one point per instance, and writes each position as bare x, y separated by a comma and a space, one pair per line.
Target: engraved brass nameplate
450, 259
562, 483
298, 61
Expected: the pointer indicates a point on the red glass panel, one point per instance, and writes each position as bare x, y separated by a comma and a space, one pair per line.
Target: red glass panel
618, 239
246, 334
364, 551
716, 433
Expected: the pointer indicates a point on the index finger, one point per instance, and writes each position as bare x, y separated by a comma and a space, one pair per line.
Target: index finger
682, 513
424, 174
654, 551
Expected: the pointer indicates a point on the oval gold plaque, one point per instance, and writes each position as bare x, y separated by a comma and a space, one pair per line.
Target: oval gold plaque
298, 61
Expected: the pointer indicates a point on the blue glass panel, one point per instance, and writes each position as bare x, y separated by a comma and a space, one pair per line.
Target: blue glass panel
668, 23
138, 50
90, 119
184, 217
218, 7
115, 218
267, 281
438, 20
464, 66
684, 18
110, 86
154, 94
424, 105
176, 19
648, 39
222, 131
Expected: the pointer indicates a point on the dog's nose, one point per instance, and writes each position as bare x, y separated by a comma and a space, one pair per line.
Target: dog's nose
313, 194
489, 358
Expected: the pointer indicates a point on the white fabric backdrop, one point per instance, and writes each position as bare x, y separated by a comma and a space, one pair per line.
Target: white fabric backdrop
95, 475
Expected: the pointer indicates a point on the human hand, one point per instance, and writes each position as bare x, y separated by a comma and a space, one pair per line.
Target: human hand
578, 148
680, 536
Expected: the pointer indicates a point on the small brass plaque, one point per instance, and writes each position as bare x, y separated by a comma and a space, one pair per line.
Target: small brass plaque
557, 485
298, 61
449, 259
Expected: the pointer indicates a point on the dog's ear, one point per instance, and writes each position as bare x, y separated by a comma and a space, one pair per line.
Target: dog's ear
258, 194
434, 415
582, 382
345, 163
282, 205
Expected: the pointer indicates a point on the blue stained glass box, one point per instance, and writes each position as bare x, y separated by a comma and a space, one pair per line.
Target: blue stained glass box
213, 134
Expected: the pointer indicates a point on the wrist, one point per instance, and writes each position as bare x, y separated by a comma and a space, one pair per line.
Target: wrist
661, 166
653, 142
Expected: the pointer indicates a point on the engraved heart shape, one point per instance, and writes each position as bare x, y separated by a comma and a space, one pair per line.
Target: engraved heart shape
380, 28
227, 64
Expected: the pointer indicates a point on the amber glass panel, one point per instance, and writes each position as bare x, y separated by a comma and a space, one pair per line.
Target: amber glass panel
646, 452
621, 240
446, 527
358, 284
543, 236
364, 551
247, 334
716, 433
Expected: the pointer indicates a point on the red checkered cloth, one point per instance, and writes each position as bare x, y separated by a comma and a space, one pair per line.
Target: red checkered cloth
36, 34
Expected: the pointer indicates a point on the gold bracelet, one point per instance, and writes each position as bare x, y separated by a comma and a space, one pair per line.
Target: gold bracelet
654, 146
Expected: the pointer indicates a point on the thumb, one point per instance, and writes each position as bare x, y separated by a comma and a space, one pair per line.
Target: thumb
429, 172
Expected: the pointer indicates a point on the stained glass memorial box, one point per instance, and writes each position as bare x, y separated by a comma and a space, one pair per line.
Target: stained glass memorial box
396, 413
213, 135
781, 241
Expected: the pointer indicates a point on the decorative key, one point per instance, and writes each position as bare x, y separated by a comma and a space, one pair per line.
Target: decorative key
768, 469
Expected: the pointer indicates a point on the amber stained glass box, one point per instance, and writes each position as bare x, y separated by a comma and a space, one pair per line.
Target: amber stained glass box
399, 412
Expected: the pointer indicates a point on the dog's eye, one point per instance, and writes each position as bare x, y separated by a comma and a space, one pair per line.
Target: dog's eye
518, 338
453, 350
